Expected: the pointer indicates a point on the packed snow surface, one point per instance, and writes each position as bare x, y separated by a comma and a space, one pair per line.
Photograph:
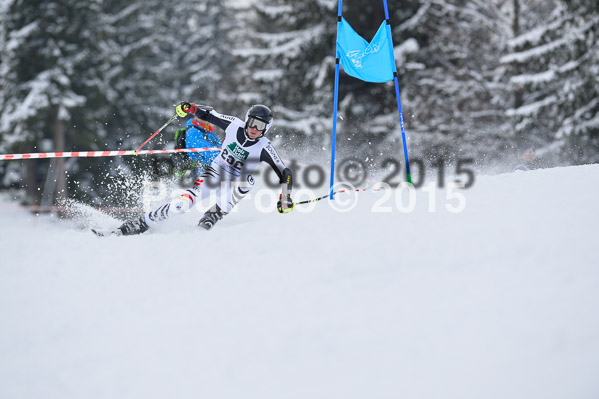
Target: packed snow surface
499, 300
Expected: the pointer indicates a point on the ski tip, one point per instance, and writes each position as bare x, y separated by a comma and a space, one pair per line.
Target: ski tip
100, 233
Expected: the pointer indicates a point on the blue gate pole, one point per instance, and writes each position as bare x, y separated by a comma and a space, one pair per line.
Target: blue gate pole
335, 101
397, 95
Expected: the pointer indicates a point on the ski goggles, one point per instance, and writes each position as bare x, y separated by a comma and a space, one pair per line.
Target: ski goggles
254, 123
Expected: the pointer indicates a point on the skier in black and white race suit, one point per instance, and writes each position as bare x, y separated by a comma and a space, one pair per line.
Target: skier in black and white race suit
229, 174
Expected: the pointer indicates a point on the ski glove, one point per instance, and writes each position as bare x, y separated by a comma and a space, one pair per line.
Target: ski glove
285, 205
186, 108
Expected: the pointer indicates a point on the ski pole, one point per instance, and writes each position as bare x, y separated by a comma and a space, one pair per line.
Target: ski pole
313, 200
326, 196
181, 111
158, 131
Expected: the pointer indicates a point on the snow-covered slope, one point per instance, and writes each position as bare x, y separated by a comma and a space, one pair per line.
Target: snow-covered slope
497, 301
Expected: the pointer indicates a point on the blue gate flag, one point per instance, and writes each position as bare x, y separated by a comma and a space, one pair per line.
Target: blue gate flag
371, 62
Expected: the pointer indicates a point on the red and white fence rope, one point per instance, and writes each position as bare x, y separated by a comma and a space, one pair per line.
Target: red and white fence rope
91, 154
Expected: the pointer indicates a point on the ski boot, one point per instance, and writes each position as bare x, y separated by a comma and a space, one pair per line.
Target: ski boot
211, 216
132, 227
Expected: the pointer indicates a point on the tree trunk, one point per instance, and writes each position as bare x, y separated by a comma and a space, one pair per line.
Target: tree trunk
59, 145
29, 179
516, 21
519, 93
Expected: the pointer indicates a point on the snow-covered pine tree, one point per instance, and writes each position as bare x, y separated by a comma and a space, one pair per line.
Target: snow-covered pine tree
208, 32
555, 66
51, 76
143, 68
453, 94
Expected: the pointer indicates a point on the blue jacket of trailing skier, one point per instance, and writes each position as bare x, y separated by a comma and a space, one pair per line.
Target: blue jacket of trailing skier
201, 134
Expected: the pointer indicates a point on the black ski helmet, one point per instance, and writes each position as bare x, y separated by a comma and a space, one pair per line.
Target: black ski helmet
261, 113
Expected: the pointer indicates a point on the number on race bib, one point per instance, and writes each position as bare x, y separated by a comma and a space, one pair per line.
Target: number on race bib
231, 160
